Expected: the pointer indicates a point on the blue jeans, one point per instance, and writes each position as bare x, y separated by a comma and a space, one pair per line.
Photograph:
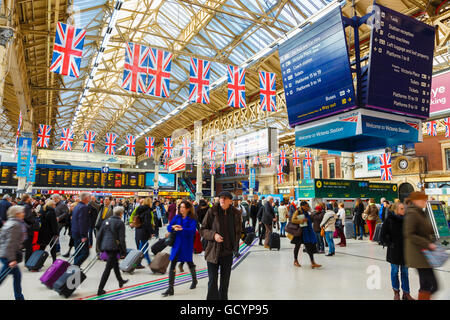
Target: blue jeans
395, 268
82, 254
357, 228
330, 241
282, 227
143, 244
17, 278
320, 244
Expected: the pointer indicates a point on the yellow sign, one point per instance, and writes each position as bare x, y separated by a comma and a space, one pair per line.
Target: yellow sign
319, 184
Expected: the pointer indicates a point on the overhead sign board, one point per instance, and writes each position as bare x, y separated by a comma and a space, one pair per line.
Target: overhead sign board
440, 94
359, 130
401, 64
85, 157
24, 157
316, 71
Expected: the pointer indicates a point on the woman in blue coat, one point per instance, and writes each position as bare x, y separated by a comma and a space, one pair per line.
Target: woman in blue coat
184, 225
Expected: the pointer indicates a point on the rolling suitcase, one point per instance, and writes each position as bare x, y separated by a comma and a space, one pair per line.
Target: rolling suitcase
198, 248
133, 259
159, 246
160, 263
71, 279
377, 233
349, 231
57, 269
274, 241
249, 238
38, 257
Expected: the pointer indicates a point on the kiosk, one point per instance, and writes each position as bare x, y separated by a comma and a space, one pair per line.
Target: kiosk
436, 213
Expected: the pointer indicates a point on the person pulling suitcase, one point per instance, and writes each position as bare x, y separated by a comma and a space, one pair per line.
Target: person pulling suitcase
111, 239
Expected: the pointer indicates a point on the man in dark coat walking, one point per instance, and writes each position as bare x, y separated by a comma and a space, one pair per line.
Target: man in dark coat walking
31, 223
267, 219
80, 228
222, 227
4, 206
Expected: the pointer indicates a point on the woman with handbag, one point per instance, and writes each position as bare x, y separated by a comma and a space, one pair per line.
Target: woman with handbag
370, 215
327, 229
183, 227
392, 236
143, 224
418, 236
12, 235
307, 237
317, 218
111, 240
358, 221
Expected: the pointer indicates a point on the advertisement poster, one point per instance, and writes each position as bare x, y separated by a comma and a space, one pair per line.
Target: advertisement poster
23, 157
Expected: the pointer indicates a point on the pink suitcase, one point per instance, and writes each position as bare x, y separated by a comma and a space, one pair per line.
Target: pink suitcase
53, 273
57, 269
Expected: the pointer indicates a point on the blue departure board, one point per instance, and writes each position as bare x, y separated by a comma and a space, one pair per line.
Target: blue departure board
316, 71
401, 64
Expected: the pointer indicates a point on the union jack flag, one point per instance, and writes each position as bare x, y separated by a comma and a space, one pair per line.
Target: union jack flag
212, 150
166, 164
236, 87
296, 159
256, 161
308, 158
431, 128
283, 157
130, 145
199, 80
186, 147
222, 168
212, 168
168, 148
225, 152
447, 127
280, 174
110, 143
135, 68
159, 65
149, 146
67, 50
44, 135
386, 166
267, 91
269, 159
89, 141
241, 166
66, 139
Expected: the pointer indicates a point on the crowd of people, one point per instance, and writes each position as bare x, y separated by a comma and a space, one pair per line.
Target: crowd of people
221, 224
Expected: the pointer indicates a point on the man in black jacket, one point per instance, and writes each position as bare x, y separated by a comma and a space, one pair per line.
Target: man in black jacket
4, 206
261, 226
267, 219
80, 228
62, 215
94, 208
111, 239
31, 223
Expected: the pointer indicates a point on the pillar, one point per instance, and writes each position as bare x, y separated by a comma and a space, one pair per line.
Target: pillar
347, 163
156, 177
212, 187
199, 150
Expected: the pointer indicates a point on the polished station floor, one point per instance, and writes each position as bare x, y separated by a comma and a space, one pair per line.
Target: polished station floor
357, 272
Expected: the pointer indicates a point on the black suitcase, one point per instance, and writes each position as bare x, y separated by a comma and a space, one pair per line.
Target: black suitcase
71, 279
377, 233
274, 241
37, 259
159, 246
249, 238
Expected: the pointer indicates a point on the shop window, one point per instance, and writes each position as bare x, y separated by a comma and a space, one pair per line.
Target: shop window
331, 170
447, 158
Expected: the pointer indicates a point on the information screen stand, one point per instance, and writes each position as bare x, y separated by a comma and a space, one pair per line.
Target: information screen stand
436, 214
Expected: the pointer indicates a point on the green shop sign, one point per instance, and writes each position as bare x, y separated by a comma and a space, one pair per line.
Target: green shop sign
345, 189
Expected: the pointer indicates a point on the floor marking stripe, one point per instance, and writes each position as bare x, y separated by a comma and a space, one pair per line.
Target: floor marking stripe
158, 284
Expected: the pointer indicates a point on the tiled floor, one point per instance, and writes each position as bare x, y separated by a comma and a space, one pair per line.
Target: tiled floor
357, 272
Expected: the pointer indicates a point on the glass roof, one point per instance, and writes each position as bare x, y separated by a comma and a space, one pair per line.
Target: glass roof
158, 25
